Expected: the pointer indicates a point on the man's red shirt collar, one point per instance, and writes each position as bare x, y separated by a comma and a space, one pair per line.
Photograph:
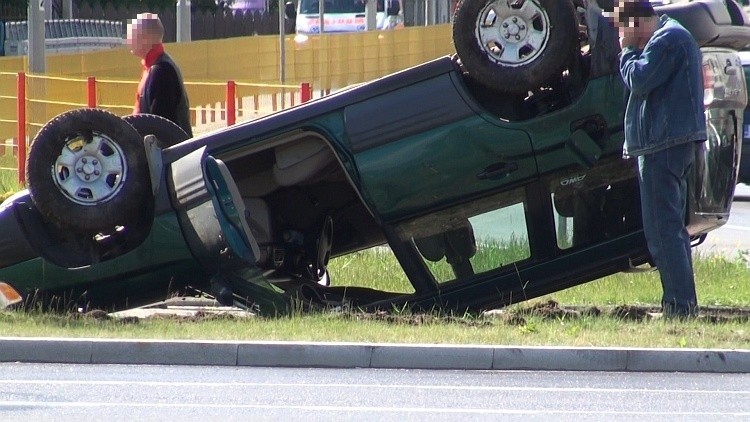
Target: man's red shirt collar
152, 55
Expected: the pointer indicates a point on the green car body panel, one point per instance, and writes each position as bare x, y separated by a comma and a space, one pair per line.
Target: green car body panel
162, 255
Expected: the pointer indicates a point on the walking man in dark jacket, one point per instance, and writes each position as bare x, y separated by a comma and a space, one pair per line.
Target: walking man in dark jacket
161, 90
661, 65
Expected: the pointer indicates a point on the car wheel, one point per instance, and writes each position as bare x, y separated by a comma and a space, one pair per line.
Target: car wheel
515, 46
87, 171
166, 131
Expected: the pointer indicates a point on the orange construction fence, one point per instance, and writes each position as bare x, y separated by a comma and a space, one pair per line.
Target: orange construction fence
258, 99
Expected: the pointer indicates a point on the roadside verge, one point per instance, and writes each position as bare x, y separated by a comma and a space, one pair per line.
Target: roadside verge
369, 355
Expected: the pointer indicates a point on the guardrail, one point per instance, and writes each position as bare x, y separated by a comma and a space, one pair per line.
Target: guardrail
66, 28
239, 101
65, 35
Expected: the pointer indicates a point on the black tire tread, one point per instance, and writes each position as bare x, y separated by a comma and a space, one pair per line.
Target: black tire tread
166, 131
124, 208
516, 80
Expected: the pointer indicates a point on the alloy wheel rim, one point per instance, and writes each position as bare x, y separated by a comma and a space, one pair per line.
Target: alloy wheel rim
513, 32
90, 169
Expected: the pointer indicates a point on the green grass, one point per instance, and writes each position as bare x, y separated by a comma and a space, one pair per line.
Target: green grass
7, 159
8, 178
332, 327
376, 268
720, 281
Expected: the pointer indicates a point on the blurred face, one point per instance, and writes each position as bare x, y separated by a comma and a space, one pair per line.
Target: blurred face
140, 39
636, 26
616, 17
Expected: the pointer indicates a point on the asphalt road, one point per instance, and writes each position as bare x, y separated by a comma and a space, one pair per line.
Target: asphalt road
732, 239
127, 393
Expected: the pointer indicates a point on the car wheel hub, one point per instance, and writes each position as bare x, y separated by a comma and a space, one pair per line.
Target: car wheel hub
514, 29
513, 32
90, 171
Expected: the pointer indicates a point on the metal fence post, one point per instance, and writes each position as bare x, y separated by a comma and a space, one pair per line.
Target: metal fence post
371, 13
67, 9
231, 109
184, 28
91, 91
21, 126
36, 38
282, 50
305, 94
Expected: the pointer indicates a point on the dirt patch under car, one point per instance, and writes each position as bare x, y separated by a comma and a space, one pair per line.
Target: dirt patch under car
203, 309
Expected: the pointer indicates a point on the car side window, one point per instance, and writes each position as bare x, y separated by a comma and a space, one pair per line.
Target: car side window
472, 238
595, 205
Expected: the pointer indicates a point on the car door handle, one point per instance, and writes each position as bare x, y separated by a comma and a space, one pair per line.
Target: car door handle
497, 170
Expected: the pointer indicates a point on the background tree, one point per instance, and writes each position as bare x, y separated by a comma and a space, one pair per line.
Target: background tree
17, 9
13, 9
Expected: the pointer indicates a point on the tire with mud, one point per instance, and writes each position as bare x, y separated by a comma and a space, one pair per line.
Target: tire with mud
87, 172
166, 131
515, 46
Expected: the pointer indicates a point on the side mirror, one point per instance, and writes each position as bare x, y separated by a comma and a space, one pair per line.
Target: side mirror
461, 242
432, 248
456, 242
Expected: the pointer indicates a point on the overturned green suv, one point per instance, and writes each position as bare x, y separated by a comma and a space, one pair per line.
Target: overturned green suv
487, 189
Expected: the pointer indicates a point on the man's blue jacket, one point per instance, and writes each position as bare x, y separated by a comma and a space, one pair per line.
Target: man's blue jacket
665, 79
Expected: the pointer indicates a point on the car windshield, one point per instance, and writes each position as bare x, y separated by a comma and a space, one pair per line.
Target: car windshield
336, 6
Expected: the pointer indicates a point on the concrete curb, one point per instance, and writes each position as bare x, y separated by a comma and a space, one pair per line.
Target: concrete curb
369, 355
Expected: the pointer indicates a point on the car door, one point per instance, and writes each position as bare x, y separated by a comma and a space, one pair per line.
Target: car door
212, 216
424, 146
209, 207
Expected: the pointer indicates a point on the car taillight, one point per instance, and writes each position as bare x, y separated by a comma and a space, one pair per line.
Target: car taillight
708, 76
711, 80
723, 80
8, 296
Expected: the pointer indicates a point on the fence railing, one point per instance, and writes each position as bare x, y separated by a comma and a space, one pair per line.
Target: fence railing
204, 25
239, 101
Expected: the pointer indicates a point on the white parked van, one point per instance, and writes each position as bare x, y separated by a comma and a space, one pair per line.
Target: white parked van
344, 16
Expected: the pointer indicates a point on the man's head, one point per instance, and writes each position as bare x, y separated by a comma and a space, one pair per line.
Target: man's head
637, 15
144, 32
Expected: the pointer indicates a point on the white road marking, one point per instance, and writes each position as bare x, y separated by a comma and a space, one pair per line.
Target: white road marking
364, 409
8, 382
